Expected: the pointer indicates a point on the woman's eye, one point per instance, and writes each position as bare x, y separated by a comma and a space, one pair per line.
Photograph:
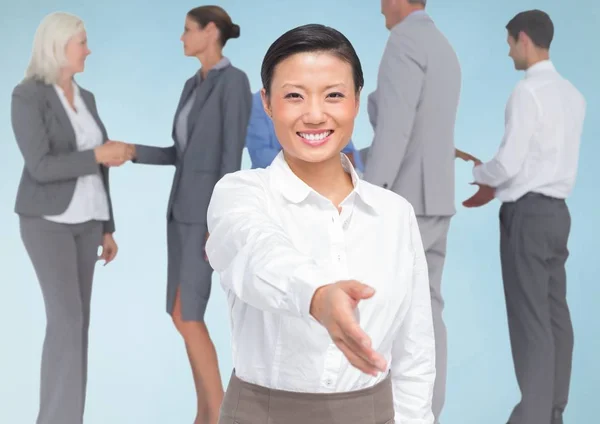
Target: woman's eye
292, 96
336, 95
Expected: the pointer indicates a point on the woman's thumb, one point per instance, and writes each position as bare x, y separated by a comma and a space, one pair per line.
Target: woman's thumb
358, 290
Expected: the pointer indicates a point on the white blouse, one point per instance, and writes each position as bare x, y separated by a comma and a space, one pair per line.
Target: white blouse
274, 241
89, 201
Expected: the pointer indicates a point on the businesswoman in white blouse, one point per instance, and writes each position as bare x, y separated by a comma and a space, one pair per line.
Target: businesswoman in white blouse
325, 274
64, 205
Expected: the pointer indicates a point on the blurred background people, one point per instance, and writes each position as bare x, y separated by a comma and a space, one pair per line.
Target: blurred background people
532, 174
64, 204
209, 132
413, 113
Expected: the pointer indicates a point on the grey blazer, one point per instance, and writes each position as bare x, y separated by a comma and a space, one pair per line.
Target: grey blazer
413, 113
216, 128
47, 142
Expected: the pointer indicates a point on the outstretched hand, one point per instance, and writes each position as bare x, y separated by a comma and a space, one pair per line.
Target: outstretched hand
334, 307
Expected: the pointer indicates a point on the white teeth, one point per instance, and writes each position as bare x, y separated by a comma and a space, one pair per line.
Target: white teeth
315, 137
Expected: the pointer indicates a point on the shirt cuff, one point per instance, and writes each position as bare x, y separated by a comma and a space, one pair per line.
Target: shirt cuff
477, 173
305, 283
140, 153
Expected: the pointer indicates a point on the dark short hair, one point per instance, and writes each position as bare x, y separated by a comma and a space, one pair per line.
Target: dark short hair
310, 38
204, 15
536, 24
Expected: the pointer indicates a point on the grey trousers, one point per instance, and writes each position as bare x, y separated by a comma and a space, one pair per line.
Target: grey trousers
534, 232
63, 257
434, 233
246, 403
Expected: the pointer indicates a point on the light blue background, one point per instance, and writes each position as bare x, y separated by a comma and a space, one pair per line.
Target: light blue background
139, 371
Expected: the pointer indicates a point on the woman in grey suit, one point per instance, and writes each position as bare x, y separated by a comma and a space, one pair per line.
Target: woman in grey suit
63, 202
209, 131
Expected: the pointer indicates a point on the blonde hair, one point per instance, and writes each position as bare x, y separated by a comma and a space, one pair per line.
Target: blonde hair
49, 44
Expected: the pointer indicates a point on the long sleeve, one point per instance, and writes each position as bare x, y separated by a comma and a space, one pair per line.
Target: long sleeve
108, 227
261, 141
399, 84
152, 155
32, 139
254, 255
237, 107
372, 108
372, 112
413, 352
520, 122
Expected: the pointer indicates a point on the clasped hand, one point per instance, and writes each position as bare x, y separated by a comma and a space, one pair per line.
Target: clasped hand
484, 194
114, 153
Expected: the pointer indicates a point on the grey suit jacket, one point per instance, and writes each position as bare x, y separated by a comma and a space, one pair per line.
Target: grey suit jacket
217, 126
47, 142
413, 113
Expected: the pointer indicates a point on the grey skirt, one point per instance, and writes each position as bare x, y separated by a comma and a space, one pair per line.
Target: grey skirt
247, 403
187, 269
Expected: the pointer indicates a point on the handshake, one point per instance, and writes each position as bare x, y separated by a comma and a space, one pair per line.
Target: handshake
114, 153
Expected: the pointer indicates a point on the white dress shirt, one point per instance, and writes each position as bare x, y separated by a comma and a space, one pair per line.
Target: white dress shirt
89, 201
274, 241
540, 149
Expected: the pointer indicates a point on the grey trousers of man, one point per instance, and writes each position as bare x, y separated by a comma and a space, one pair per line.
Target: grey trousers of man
434, 233
534, 232
64, 257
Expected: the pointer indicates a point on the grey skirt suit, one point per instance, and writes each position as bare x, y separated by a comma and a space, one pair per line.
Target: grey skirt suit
209, 132
64, 251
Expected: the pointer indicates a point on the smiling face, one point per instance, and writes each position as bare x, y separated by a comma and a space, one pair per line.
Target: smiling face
313, 105
76, 51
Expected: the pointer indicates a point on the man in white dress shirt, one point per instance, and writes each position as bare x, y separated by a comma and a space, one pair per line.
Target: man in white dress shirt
532, 174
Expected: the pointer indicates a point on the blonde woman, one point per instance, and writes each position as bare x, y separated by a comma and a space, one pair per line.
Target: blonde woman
64, 205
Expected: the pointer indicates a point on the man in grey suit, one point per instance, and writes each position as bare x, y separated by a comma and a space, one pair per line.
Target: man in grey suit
413, 112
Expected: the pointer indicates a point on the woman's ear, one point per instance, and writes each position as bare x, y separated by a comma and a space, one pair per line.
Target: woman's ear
357, 102
266, 102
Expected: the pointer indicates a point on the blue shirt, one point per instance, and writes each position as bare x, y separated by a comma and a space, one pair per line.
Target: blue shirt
262, 143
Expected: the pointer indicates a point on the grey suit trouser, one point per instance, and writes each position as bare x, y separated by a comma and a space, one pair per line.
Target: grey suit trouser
534, 232
63, 256
434, 233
